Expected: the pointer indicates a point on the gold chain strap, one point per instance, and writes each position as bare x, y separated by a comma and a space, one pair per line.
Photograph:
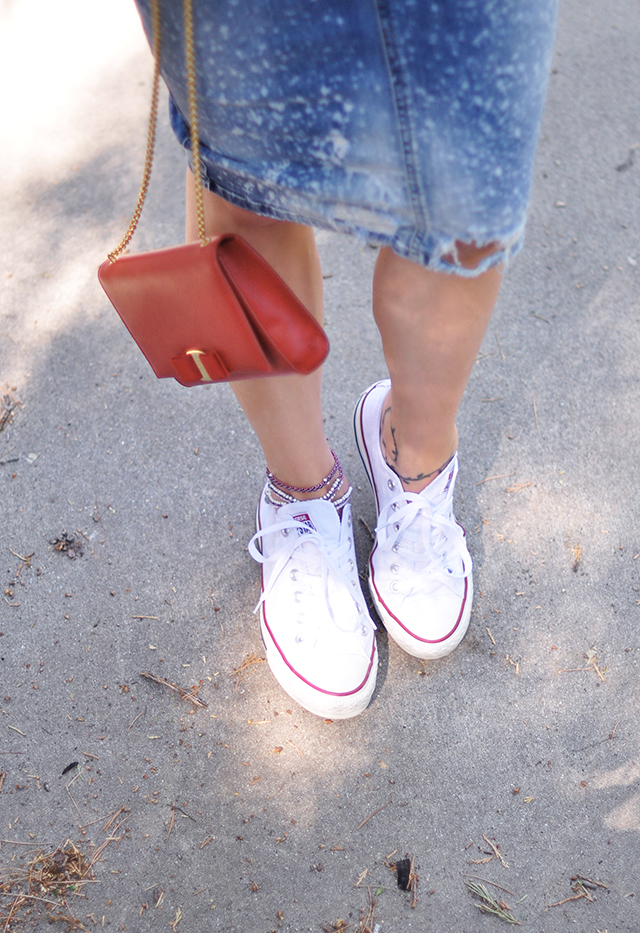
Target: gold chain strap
193, 118
153, 120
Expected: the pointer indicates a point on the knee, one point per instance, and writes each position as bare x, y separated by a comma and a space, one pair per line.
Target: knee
468, 255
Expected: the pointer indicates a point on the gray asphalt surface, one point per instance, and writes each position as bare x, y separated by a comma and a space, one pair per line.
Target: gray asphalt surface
249, 814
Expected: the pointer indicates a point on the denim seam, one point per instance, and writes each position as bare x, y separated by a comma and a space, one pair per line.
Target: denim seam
399, 94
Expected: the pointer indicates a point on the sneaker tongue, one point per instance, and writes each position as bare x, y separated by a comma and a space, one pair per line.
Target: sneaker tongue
319, 515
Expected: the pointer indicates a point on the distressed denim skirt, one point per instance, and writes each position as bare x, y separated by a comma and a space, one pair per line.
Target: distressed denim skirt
410, 123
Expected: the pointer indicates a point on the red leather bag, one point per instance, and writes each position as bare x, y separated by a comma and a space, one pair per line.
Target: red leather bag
211, 311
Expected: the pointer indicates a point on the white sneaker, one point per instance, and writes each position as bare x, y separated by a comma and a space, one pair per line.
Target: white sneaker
315, 625
420, 568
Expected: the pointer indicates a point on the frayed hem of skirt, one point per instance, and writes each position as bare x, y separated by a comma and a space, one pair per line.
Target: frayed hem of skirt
426, 250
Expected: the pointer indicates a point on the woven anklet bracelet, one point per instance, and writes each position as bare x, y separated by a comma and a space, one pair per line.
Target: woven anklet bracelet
279, 492
278, 482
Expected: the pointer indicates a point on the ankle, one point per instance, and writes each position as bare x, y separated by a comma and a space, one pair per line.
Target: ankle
415, 467
417, 479
333, 487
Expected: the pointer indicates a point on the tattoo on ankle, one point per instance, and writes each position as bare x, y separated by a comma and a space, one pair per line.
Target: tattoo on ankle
391, 456
421, 476
388, 453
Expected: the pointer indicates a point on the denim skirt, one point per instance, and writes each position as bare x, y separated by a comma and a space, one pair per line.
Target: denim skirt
410, 123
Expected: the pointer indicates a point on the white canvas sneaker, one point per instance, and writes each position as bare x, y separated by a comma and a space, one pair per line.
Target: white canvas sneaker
315, 624
420, 568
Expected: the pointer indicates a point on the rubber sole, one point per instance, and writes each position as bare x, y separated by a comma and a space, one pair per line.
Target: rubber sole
325, 705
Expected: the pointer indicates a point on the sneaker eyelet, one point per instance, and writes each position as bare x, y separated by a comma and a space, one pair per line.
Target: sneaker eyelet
353, 583
294, 574
394, 587
395, 568
297, 596
396, 526
298, 639
394, 506
351, 564
396, 548
391, 484
359, 608
363, 630
285, 532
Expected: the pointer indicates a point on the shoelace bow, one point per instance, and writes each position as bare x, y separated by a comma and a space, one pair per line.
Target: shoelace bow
441, 536
329, 564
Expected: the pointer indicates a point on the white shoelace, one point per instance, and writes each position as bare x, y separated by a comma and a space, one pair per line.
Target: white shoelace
411, 520
329, 566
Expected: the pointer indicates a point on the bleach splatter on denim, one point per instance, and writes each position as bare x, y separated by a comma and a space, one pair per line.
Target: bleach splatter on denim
410, 123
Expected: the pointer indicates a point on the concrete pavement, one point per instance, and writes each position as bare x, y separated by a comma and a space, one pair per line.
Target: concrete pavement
252, 814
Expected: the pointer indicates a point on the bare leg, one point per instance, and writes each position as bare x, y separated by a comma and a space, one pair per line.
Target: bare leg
284, 411
431, 324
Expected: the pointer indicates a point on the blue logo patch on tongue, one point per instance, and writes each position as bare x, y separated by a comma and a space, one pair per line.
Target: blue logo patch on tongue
304, 519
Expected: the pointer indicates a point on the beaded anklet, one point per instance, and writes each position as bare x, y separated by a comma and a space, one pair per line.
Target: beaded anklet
323, 482
279, 492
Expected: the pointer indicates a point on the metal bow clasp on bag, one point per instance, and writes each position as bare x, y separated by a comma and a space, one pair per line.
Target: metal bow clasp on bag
197, 366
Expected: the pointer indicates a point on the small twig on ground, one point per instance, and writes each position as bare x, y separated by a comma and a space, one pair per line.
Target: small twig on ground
172, 821
367, 529
174, 806
368, 915
7, 408
500, 476
67, 786
413, 883
134, 721
580, 893
107, 826
611, 734
577, 556
518, 486
248, 663
367, 818
592, 661
493, 883
26, 559
185, 694
496, 851
589, 881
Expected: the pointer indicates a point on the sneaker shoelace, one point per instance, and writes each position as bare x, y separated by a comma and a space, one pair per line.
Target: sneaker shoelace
421, 533
327, 560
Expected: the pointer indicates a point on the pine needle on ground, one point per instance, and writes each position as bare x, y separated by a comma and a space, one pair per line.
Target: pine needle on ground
489, 905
